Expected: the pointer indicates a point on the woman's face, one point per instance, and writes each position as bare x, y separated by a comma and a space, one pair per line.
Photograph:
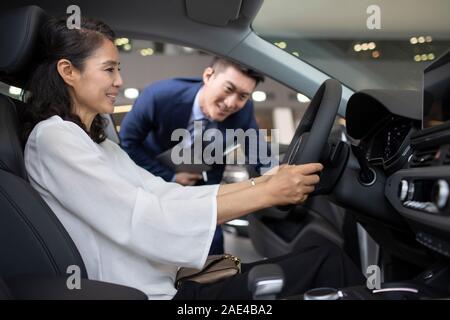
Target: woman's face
95, 88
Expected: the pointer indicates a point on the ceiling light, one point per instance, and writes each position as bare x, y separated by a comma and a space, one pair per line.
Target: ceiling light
127, 47
372, 45
364, 46
188, 50
295, 53
428, 39
376, 54
413, 40
302, 98
424, 57
122, 109
15, 91
131, 93
259, 96
281, 44
121, 41
431, 56
147, 52
421, 39
417, 58
357, 47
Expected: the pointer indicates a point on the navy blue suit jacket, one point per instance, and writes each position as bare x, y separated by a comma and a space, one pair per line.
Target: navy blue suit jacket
160, 109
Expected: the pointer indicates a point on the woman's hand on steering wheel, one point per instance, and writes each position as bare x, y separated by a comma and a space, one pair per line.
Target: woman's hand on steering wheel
291, 184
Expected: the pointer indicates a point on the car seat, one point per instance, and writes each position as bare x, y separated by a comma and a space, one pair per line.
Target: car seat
33, 243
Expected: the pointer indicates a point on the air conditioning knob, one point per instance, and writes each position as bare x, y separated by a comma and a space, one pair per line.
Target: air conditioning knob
440, 193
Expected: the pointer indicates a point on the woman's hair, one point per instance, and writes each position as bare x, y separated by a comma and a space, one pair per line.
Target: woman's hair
46, 92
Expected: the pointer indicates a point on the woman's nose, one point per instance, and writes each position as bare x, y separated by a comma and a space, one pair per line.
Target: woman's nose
118, 82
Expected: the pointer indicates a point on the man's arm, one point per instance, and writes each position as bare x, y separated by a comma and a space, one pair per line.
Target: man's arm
135, 128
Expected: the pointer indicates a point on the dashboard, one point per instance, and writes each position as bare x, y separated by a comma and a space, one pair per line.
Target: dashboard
382, 122
389, 145
412, 162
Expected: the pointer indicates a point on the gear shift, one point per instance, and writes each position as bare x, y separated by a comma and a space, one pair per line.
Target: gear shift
323, 294
265, 281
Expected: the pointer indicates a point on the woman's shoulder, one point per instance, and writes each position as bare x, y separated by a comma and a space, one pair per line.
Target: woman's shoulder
55, 131
56, 124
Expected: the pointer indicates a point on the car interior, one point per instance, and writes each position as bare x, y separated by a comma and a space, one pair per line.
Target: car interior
383, 196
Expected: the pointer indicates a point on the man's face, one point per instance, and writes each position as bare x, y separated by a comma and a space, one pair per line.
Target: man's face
224, 92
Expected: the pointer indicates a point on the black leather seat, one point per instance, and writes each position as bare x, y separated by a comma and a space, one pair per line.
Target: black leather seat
33, 243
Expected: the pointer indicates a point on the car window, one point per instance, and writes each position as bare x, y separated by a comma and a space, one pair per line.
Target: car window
363, 45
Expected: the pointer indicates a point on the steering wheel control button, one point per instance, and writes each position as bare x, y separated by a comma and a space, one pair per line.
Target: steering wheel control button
323, 294
403, 190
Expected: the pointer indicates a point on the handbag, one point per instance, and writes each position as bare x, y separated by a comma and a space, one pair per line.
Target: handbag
216, 268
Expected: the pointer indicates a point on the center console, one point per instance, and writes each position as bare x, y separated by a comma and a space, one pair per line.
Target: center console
420, 193
431, 284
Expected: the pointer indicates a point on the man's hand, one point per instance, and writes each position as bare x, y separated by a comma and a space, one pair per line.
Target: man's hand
187, 179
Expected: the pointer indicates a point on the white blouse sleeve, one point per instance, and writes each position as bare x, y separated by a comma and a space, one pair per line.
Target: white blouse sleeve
156, 224
160, 187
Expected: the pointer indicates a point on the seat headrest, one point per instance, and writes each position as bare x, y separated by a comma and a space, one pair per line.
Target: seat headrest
11, 154
19, 30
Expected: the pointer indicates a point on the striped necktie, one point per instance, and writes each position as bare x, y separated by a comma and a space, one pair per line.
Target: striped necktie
194, 129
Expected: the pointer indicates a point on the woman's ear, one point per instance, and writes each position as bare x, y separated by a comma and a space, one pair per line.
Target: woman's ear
207, 74
67, 71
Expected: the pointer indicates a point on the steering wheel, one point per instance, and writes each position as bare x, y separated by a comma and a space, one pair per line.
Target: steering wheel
312, 133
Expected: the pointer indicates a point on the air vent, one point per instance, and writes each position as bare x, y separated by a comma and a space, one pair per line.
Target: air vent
423, 158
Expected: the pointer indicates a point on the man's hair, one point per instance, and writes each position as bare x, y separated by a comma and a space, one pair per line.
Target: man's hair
220, 64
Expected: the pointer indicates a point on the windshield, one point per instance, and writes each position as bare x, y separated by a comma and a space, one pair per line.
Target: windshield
382, 46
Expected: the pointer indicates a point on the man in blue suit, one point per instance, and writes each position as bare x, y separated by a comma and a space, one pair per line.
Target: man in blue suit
221, 97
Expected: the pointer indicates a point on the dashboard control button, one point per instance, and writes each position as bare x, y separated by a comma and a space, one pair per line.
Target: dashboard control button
411, 190
441, 193
403, 192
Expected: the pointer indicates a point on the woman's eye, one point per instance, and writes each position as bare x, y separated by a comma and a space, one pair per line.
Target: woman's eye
110, 69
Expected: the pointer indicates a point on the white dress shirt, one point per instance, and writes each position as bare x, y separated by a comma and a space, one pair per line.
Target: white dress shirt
130, 227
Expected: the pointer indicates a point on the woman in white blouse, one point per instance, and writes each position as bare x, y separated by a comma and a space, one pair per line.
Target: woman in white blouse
131, 227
